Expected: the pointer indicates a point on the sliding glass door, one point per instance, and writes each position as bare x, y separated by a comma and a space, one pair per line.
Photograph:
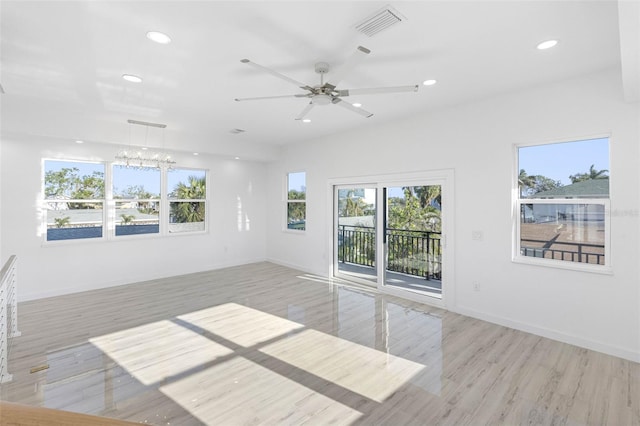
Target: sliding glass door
390, 235
412, 238
355, 233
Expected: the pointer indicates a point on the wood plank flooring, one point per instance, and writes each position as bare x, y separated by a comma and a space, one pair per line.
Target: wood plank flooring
265, 344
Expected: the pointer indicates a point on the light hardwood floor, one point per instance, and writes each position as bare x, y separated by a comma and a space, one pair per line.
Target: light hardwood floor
265, 344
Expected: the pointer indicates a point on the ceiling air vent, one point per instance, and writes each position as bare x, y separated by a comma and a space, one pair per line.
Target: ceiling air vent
380, 20
237, 131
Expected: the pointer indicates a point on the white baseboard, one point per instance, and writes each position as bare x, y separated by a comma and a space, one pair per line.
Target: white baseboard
606, 348
25, 297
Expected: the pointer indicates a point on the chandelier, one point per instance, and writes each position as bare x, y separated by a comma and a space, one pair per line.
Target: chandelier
144, 158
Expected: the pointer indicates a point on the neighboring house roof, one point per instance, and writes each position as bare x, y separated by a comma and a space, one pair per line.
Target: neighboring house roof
592, 188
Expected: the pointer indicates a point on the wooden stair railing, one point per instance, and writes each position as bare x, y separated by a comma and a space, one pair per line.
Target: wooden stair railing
24, 415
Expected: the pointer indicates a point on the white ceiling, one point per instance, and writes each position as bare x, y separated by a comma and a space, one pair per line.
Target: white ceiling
62, 64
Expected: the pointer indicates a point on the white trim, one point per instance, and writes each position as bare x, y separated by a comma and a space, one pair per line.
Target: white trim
285, 199
443, 177
109, 207
517, 202
571, 339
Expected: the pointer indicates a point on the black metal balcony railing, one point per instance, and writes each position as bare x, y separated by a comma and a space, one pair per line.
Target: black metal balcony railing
416, 253
572, 252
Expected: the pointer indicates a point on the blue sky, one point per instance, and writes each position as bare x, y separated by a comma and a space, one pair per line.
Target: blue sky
558, 161
123, 177
297, 181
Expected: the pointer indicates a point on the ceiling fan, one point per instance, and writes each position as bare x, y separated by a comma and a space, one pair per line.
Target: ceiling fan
327, 93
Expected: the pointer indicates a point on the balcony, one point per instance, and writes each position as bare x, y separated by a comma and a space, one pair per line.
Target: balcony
414, 258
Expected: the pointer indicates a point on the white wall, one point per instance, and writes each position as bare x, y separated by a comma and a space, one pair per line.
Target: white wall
237, 225
598, 311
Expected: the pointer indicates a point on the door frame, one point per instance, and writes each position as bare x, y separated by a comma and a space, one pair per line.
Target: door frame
443, 177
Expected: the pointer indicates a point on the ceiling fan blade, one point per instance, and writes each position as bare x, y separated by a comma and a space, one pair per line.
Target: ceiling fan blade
377, 90
277, 74
355, 59
347, 105
259, 98
305, 111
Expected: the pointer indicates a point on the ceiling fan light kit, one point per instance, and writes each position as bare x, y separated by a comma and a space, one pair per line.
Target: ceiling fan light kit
326, 93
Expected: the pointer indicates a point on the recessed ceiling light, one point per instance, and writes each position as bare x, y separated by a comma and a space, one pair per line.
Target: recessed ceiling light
357, 104
429, 82
158, 37
547, 44
132, 78
144, 148
306, 120
79, 141
236, 158
196, 153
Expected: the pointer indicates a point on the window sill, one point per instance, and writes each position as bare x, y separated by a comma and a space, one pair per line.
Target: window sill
294, 232
560, 264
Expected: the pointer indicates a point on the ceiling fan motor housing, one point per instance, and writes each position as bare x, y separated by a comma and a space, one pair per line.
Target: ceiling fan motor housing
321, 99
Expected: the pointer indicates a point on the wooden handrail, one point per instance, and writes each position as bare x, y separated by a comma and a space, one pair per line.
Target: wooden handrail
24, 415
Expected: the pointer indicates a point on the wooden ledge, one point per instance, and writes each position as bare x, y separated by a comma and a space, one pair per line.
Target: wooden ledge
24, 415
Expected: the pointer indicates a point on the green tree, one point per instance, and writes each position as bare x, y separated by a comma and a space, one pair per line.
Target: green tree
426, 194
61, 222
407, 214
136, 192
593, 173
526, 183
67, 183
353, 206
532, 184
60, 183
127, 219
296, 211
189, 211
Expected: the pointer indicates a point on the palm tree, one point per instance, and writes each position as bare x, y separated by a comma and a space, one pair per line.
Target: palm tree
592, 174
185, 211
525, 182
127, 219
61, 222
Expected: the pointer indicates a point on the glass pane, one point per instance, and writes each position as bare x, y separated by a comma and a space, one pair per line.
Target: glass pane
186, 216
135, 217
414, 252
73, 180
135, 184
297, 186
356, 233
74, 220
184, 184
565, 170
296, 215
570, 232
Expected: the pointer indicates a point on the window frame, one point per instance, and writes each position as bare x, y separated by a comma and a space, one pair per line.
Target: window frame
518, 201
104, 229
109, 219
112, 221
166, 205
287, 200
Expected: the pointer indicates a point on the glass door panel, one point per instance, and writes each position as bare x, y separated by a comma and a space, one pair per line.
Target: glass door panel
355, 248
412, 238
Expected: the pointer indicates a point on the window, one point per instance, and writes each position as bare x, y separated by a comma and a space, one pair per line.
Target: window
187, 200
563, 204
296, 201
136, 193
76, 205
74, 200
